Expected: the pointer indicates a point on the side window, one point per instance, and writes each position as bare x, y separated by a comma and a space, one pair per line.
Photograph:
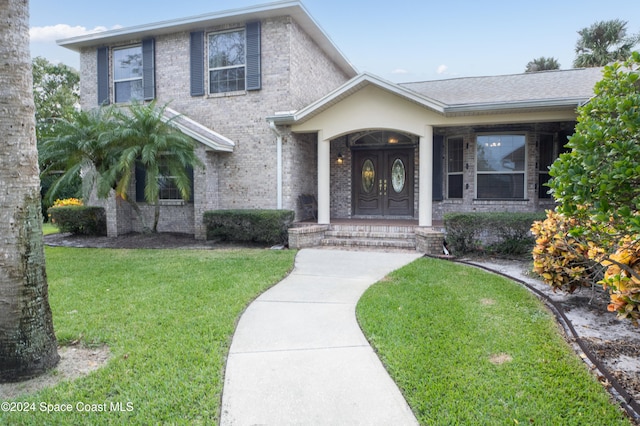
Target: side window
227, 60
549, 148
455, 160
546, 154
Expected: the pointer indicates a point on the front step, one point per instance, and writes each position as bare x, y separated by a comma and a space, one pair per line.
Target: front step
371, 236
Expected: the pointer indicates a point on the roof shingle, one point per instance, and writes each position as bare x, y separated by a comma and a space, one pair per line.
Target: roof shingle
537, 86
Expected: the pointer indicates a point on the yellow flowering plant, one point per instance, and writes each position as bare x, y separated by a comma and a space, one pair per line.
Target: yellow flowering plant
68, 202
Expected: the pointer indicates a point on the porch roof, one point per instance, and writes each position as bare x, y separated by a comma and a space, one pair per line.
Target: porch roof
197, 131
559, 87
470, 95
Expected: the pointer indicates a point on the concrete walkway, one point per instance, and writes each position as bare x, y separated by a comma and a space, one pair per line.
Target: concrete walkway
299, 357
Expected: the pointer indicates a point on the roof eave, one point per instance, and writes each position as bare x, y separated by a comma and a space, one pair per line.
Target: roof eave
294, 9
514, 106
346, 90
209, 138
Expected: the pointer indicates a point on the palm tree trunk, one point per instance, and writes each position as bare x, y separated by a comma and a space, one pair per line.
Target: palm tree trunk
156, 217
143, 221
27, 342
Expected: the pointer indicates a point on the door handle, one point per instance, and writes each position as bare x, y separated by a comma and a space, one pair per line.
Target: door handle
385, 187
379, 186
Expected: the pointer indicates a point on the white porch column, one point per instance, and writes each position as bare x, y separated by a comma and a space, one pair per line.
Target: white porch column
324, 180
425, 203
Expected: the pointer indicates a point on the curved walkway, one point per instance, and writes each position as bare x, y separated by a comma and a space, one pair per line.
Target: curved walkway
298, 355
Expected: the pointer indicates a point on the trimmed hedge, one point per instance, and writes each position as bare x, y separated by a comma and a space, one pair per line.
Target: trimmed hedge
85, 220
254, 226
500, 232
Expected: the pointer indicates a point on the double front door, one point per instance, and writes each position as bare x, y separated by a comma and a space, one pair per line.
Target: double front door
383, 182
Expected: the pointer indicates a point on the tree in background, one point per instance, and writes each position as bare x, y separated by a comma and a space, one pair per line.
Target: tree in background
542, 64
597, 187
28, 344
604, 42
56, 92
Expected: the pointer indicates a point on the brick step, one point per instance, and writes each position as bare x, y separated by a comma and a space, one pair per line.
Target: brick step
370, 235
374, 228
370, 243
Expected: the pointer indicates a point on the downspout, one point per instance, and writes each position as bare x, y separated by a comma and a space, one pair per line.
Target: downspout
275, 130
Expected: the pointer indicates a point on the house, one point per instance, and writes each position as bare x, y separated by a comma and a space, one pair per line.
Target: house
280, 112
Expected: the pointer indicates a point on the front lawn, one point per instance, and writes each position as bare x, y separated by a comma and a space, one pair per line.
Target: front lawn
167, 316
469, 347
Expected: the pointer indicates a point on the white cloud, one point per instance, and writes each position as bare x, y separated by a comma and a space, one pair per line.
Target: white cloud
60, 31
442, 69
399, 71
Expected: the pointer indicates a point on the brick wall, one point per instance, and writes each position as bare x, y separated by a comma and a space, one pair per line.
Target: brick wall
295, 72
469, 203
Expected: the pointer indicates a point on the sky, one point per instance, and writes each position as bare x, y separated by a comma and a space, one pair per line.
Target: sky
398, 40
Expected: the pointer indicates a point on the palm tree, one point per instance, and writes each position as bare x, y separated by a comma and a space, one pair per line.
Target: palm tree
106, 145
542, 64
604, 42
82, 147
28, 344
146, 139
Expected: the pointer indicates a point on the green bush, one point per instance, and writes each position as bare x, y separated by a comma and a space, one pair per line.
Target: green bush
85, 220
499, 233
255, 226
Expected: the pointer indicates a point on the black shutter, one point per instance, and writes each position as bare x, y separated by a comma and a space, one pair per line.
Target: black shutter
197, 63
103, 76
254, 81
141, 177
438, 169
148, 69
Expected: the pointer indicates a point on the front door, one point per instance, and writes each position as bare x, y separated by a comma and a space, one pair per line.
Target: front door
383, 182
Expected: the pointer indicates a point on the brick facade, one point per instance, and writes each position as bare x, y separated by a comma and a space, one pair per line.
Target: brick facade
469, 202
295, 72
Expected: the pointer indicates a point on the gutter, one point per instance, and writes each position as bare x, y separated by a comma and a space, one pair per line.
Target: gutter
272, 126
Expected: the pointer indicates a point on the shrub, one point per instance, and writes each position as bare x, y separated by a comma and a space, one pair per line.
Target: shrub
256, 226
563, 261
500, 232
85, 220
566, 259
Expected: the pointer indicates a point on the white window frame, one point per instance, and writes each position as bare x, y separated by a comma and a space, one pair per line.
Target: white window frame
212, 69
124, 80
522, 172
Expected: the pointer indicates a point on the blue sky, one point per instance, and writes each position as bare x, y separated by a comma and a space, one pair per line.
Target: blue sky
400, 40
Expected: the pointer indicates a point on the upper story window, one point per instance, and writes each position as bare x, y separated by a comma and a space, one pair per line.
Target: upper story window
227, 60
500, 166
127, 74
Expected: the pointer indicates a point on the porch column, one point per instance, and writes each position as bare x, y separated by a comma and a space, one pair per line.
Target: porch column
425, 203
324, 180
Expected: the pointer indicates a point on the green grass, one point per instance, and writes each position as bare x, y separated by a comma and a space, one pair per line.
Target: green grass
167, 317
436, 326
48, 228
